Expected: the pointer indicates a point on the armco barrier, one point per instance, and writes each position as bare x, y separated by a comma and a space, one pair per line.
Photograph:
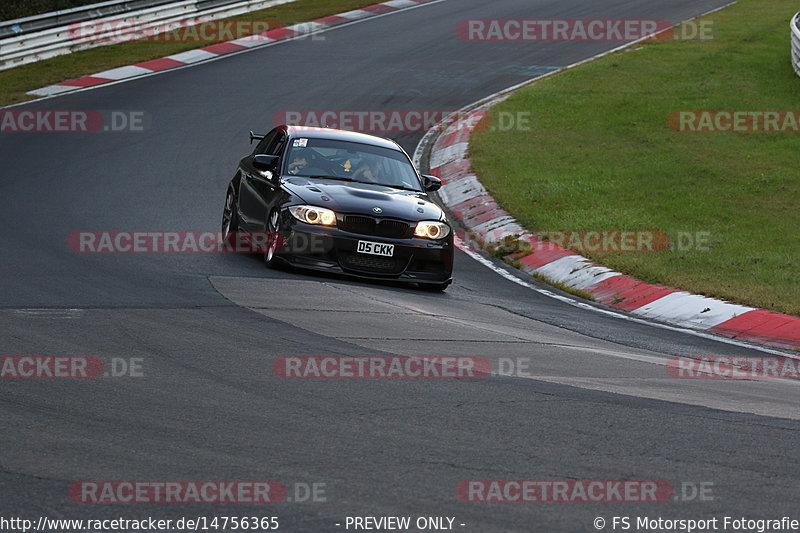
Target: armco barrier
31, 47
62, 17
795, 26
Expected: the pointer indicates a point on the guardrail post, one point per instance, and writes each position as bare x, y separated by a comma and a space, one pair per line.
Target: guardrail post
795, 30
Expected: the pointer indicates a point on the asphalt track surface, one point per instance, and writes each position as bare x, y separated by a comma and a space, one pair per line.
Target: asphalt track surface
598, 403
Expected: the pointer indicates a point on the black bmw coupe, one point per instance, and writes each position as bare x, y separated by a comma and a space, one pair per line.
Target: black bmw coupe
340, 201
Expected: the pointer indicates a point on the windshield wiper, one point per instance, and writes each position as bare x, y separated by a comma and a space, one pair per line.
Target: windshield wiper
400, 187
345, 178
338, 178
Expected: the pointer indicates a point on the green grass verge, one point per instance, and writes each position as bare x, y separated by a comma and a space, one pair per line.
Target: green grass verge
15, 82
600, 156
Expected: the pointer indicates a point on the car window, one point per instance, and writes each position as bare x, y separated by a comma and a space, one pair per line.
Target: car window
263, 144
275, 147
359, 162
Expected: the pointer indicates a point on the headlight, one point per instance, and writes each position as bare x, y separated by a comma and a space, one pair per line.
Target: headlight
313, 215
429, 229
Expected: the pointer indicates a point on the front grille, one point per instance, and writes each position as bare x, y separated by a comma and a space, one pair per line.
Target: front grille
357, 224
390, 229
370, 263
393, 229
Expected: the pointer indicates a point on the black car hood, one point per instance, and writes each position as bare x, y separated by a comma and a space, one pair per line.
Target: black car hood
364, 198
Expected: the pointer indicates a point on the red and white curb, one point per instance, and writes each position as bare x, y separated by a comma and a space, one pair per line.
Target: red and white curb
488, 223
220, 49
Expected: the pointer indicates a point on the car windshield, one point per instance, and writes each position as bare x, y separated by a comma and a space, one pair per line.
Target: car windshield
350, 161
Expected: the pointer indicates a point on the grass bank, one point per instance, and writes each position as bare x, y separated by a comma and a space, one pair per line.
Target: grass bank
602, 156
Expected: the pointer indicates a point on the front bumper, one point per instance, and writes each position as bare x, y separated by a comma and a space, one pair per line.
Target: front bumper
331, 249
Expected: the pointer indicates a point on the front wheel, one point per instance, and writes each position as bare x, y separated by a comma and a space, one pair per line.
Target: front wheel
273, 239
230, 223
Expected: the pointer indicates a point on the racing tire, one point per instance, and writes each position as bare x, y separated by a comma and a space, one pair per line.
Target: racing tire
230, 221
273, 240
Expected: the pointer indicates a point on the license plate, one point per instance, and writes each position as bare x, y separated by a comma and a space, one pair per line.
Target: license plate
375, 248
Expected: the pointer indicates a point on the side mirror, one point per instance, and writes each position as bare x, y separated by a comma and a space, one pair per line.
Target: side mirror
431, 183
265, 163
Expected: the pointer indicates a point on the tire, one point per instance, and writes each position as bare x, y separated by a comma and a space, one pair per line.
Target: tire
433, 287
230, 221
273, 239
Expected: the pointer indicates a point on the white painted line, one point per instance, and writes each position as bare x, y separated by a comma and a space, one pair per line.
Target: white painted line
400, 4
355, 14
307, 27
461, 190
562, 268
448, 154
51, 313
693, 309
499, 227
192, 56
122, 72
576, 271
52, 90
253, 40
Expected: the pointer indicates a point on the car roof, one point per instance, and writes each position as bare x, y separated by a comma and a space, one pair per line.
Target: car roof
339, 135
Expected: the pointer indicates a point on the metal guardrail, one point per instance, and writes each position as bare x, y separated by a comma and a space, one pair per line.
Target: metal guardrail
795, 26
92, 32
45, 21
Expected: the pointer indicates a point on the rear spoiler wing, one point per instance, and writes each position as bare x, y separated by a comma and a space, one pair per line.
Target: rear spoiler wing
256, 136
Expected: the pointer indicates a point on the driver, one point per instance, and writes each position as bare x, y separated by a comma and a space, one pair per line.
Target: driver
370, 171
301, 158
